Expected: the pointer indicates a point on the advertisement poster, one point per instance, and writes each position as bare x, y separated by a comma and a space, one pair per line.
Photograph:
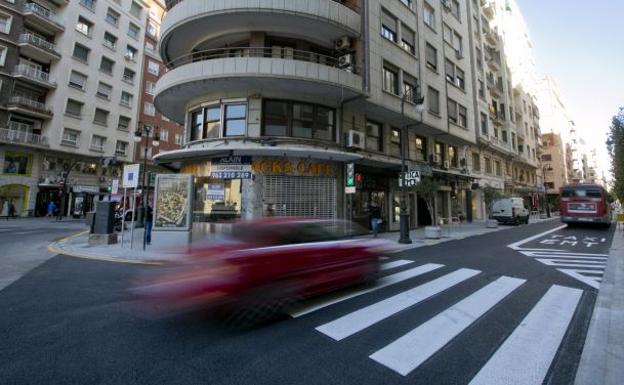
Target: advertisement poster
173, 202
216, 192
231, 167
16, 163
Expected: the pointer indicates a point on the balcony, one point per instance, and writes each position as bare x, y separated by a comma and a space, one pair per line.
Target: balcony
270, 72
489, 10
34, 76
42, 18
493, 58
191, 22
38, 48
16, 136
491, 35
29, 106
497, 89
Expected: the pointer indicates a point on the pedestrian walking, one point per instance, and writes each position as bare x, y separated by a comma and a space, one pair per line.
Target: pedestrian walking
11, 213
51, 209
149, 220
375, 218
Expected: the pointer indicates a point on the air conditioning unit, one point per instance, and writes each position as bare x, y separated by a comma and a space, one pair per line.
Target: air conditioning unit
446, 164
446, 4
435, 159
345, 61
356, 139
459, 55
102, 179
342, 43
129, 56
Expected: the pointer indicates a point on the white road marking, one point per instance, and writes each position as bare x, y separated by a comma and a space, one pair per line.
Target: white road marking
591, 281
524, 358
393, 264
358, 320
411, 350
569, 255
551, 262
516, 245
319, 303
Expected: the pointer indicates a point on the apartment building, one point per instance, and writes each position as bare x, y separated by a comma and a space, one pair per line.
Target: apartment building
76, 70
169, 132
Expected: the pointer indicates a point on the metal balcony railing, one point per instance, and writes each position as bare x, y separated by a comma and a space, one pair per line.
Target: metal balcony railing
43, 12
33, 73
29, 103
262, 52
37, 41
347, 3
23, 137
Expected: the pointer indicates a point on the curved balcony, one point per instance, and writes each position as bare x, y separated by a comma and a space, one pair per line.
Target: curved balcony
191, 22
269, 72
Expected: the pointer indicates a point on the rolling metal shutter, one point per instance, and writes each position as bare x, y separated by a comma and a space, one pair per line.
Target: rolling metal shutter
301, 196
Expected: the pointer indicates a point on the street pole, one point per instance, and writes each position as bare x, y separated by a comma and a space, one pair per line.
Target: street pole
545, 192
404, 216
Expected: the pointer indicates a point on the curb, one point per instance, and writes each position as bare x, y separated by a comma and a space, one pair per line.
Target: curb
55, 248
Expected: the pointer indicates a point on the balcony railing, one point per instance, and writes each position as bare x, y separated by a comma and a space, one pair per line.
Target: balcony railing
37, 41
43, 12
347, 3
262, 52
33, 73
23, 137
29, 103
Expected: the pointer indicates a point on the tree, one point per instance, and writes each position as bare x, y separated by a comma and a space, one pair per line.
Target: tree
427, 189
490, 194
615, 145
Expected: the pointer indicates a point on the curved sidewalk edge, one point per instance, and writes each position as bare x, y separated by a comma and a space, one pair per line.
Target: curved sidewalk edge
68, 246
602, 361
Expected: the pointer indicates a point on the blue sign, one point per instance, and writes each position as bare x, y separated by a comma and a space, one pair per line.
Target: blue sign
215, 192
231, 174
231, 167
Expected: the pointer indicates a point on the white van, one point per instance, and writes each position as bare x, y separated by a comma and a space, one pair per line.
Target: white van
510, 210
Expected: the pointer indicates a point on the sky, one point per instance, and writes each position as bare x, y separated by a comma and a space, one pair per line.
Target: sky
580, 44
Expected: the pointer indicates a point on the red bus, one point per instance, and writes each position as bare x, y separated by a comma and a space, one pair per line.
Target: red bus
585, 203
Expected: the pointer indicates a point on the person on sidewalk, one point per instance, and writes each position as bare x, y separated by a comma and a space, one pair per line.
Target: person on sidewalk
11, 213
51, 209
149, 219
375, 218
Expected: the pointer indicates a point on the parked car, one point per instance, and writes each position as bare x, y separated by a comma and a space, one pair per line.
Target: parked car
267, 264
510, 210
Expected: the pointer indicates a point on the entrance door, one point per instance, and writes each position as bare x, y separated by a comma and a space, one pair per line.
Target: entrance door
424, 218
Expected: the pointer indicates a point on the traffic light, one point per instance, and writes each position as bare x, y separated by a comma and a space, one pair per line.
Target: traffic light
109, 188
358, 181
350, 175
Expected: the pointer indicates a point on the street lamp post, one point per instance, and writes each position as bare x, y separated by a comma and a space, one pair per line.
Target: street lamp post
139, 134
408, 94
544, 169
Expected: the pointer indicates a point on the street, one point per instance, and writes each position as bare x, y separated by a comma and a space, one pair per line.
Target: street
509, 307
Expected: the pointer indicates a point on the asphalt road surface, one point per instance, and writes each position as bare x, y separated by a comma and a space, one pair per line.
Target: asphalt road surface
472, 311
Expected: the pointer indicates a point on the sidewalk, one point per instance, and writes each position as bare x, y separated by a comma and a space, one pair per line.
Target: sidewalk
602, 361
78, 245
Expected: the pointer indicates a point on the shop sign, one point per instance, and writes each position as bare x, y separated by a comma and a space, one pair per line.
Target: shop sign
85, 189
424, 169
131, 174
412, 178
231, 167
215, 192
289, 167
172, 210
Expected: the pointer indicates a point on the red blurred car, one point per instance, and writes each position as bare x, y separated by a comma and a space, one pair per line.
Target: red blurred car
265, 264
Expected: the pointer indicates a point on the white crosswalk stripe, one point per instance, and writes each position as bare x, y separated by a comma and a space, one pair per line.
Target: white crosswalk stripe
397, 263
524, 358
575, 265
408, 352
358, 320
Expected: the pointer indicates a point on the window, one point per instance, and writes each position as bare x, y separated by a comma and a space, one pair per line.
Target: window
81, 52
211, 127
481, 90
3, 53
101, 116
457, 42
235, 120
476, 162
124, 123
104, 90
84, 26
409, 87
149, 87
153, 67
454, 74
462, 116
431, 57
547, 158
439, 152
152, 29
421, 148
395, 142
453, 156
449, 68
484, 124
433, 100
275, 118
126, 99
133, 31
121, 148
408, 40
164, 135
149, 109
128, 75
460, 78
73, 107
106, 65
131, 53
447, 34
284, 118
407, 3
88, 3
112, 17
70, 137
488, 165
196, 125
451, 105
390, 80
136, 9
388, 26
97, 143
110, 40
505, 136
77, 80
5, 23
150, 47
429, 16
455, 9
178, 139
374, 136
498, 168
479, 59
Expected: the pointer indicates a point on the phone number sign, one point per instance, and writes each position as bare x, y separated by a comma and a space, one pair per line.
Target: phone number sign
231, 167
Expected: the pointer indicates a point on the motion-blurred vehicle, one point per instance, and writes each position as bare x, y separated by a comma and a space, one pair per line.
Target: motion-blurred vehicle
265, 266
510, 210
584, 203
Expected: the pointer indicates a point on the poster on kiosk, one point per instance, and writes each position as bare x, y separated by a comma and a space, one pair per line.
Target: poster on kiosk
173, 202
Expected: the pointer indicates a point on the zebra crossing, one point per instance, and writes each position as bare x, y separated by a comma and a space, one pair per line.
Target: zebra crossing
524, 357
585, 267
